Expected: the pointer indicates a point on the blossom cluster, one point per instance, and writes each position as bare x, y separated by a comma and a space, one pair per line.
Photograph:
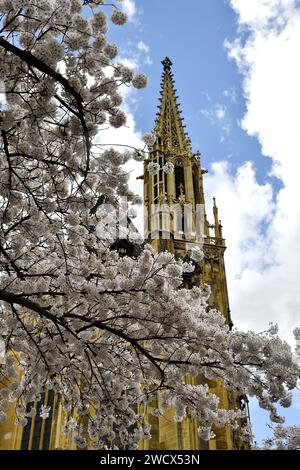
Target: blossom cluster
283, 438
103, 331
154, 168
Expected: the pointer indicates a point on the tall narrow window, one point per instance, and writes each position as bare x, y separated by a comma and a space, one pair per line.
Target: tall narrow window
180, 436
159, 181
36, 434
179, 180
196, 184
166, 184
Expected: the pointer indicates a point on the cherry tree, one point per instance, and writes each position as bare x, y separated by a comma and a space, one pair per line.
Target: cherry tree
105, 332
283, 438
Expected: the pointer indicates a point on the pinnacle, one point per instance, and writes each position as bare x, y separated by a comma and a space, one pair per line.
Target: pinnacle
169, 122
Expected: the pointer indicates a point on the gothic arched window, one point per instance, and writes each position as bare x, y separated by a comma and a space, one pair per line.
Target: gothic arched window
179, 178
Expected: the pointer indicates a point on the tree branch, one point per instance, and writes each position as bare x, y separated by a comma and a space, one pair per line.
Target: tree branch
30, 59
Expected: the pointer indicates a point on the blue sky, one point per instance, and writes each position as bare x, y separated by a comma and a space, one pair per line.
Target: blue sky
237, 71
193, 37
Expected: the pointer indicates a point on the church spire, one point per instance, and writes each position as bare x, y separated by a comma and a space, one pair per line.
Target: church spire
169, 127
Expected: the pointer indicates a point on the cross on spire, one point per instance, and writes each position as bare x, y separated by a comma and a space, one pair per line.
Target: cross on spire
167, 64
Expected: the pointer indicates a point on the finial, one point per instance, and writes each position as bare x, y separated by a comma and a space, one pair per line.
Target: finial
217, 222
197, 155
167, 63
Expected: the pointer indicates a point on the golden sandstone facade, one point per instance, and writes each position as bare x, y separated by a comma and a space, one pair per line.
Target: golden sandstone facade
169, 195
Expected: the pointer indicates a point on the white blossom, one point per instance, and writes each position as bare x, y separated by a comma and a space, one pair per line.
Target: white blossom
205, 433
21, 421
118, 119
139, 81
157, 413
71, 424
2, 351
168, 168
126, 74
31, 413
197, 254
149, 139
283, 438
273, 329
44, 413
153, 168
119, 17
80, 442
111, 50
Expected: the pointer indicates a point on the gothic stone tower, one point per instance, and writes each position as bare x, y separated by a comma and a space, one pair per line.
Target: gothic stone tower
184, 187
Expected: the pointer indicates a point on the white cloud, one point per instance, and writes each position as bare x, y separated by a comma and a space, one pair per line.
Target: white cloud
217, 115
130, 8
129, 62
2, 96
134, 55
143, 47
2, 101
256, 14
230, 93
148, 60
263, 234
220, 111
206, 95
243, 206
